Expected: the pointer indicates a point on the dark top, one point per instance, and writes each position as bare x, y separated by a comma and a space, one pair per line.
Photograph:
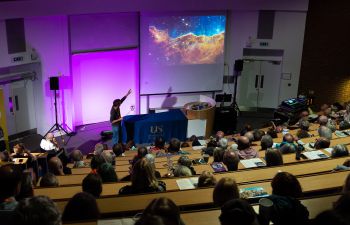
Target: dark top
115, 114
128, 189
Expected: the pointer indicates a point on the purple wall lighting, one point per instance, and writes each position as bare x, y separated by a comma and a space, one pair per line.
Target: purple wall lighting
101, 77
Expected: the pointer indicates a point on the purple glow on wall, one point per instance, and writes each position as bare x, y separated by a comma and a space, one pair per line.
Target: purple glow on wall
101, 77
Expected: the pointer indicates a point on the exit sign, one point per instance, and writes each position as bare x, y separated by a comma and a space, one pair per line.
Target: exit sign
264, 44
17, 59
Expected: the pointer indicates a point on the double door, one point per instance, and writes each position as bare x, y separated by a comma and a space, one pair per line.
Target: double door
259, 84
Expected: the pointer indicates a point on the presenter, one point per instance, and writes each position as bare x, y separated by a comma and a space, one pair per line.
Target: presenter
116, 118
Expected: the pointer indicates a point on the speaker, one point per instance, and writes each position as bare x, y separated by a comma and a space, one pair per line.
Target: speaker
225, 120
238, 65
54, 83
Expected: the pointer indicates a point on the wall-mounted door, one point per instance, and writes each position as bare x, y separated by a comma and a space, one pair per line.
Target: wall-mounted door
259, 84
20, 109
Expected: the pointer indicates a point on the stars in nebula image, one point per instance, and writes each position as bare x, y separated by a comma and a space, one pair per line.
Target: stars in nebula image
187, 39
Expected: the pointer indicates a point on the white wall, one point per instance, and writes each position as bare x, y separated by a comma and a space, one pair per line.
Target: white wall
49, 36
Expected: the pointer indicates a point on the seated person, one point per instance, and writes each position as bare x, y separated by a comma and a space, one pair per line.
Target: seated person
273, 157
239, 211
108, 156
218, 154
92, 184
272, 132
245, 151
186, 145
37, 210
246, 128
322, 143
339, 151
174, 146
182, 171
220, 134
223, 143
212, 143
288, 148
287, 209
250, 136
225, 190
141, 152
143, 180
324, 131
107, 173
194, 140
10, 180
266, 142
186, 161
19, 151
231, 160
49, 180
344, 125
77, 157
206, 179
159, 144
26, 189
55, 166
98, 149
118, 149
151, 160
258, 134
304, 128
82, 206
49, 144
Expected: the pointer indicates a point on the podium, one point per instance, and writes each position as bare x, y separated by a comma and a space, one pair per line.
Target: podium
203, 110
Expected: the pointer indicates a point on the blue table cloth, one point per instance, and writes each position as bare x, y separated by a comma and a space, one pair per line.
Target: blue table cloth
146, 127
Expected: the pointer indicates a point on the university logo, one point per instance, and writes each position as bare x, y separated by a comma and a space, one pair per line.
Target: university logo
156, 129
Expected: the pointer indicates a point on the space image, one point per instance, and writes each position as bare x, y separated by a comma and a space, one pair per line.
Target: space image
187, 39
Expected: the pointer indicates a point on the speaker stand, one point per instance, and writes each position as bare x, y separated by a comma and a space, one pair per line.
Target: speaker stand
56, 126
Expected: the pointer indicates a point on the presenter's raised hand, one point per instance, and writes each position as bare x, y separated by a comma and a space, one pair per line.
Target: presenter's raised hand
129, 92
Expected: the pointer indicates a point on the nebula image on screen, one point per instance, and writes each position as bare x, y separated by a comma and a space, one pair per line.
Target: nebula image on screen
181, 40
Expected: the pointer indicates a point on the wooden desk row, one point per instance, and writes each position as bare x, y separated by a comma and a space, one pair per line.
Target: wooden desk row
202, 196
241, 177
204, 217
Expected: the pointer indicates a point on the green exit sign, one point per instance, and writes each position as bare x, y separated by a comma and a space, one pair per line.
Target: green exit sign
264, 44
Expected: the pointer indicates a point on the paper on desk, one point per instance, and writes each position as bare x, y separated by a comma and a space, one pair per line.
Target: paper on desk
124, 221
187, 183
312, 155
329, 150
202, 142
197, 147
251, 163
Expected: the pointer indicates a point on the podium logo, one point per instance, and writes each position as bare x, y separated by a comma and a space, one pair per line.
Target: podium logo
156, 129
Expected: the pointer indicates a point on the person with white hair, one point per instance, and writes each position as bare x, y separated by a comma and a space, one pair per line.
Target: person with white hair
49, 143
223, 143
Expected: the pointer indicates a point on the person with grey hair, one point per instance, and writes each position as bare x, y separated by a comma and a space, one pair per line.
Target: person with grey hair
323, 120
108, 156
182, 171
37, 210
77, 157
266, 142
151, 159
186, 161
250, 136
223, 143
339, 151
98, 149
218, 154
324, 131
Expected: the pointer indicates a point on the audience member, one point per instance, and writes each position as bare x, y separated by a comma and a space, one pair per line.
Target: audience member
108, 156
220, 134
246, 128
49, 180
92, 184
77, 157
218, 154
96, 162
223, 143
273, 157
151, 160
98, 149
231, 160
208, 150
174, 145
26, 186
206, 179
118, 149
141, 152
287, 209
322, 143
82, 206
212, 143
182, 171
194, 140
238, 212
288, 148
143, 180
328, 217
225, 190
250, 136
159, 144
10, 180
165, 208
49, 144
339, 151
342, 207
37, 210
55, 166
186, 161
244, 149
107, 173
304, 128
258, 134
266, 142
272, 132
344, 125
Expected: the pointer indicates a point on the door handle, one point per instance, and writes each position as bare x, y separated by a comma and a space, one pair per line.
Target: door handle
256, 81
262, 81
16, 103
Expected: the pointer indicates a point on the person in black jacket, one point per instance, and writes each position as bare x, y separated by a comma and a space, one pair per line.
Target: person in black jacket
116, 118
287, 209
